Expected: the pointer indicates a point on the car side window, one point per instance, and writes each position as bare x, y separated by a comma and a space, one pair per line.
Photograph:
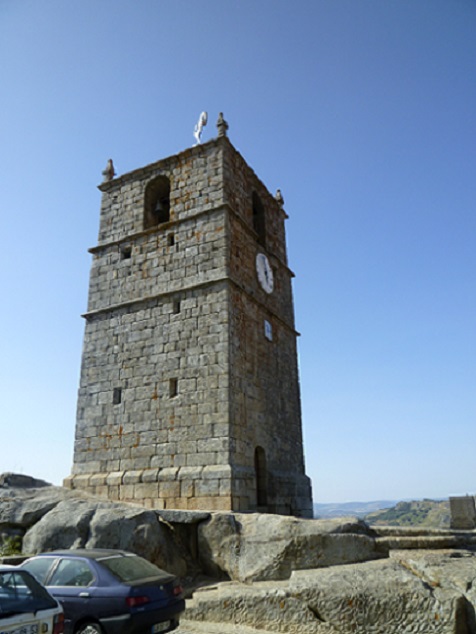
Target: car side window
72, 572
39, 567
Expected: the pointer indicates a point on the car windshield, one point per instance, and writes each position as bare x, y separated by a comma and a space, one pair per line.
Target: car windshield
132, 568
20, 593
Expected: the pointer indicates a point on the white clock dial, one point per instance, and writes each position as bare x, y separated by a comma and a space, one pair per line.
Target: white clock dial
264, 272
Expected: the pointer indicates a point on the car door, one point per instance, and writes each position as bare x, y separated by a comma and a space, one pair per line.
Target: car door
72, 583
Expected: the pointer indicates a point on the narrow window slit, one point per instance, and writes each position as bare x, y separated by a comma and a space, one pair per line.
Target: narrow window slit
173, 387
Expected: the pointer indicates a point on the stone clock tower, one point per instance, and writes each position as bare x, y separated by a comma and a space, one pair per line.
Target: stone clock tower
189, 392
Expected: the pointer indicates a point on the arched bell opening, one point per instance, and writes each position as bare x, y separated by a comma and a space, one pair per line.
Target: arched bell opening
157, 202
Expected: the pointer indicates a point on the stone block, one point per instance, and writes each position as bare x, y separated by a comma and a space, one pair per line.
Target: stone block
162, 462
150, 475
207, 488
216, 472
190, 473
126, 492
169, 489
463, 512
210, 503
200, 459
168, 474
82, 481
178, 503
180, 460
187, 488
100, 491
114, 478
113, 492
213, 444
68, 482
225, 487
132, 477
146, 490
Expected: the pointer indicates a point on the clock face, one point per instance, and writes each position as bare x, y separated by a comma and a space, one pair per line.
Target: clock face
264, 272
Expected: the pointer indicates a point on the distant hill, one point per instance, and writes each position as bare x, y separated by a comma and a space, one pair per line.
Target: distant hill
350, 509
427, 513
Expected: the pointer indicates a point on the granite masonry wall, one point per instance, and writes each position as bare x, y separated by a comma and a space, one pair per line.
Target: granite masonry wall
182, 381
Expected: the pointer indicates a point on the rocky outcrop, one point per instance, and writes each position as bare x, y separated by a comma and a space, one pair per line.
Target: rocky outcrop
93, 524
48, 518
22, 506
272, 573
408, 594
19, 481
257, 547
241, 547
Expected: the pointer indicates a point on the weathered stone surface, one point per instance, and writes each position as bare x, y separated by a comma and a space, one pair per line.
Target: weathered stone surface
453, 570
22, 506
49, 518
378, 597
252, 547
64, 526
138, 531
183, 517
387, 544
302, 590
261, 605
95, 524
20, 480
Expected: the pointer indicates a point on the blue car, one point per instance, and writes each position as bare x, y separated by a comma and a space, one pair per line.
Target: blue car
109, 591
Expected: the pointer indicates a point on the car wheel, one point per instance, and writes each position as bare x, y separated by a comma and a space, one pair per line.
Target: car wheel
89, 628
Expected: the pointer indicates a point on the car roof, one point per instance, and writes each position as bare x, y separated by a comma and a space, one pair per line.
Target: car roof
89, 553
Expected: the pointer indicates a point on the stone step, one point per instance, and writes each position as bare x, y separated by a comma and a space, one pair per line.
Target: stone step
206, 627
423, 542
252, 608
417, 531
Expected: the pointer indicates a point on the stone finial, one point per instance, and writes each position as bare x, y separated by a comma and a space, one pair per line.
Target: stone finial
222, 125
109, 171
202, 122
279, 198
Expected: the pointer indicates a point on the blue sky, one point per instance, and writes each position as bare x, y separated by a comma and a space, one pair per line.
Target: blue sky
363, 112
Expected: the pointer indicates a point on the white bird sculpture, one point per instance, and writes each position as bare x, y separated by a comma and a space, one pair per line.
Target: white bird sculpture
202, 122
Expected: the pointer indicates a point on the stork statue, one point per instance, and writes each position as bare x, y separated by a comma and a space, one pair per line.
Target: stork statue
202, 122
